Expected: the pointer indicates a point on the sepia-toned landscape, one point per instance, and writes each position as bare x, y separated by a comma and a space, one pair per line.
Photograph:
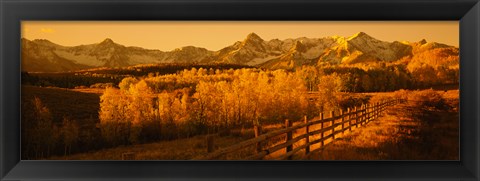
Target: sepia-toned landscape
332, 97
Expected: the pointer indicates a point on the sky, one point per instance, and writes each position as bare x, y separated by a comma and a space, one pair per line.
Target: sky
214, 35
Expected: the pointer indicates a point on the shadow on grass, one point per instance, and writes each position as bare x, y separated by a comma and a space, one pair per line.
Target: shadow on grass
406, 132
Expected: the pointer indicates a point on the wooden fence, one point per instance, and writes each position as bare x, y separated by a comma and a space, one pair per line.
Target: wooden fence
327, 128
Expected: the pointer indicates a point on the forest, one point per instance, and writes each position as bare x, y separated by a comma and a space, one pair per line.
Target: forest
151, 103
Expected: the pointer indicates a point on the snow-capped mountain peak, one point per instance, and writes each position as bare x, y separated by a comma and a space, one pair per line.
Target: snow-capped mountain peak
360, 35
253, 41
107, 42
45, 42
253, 50
253, 38
299, 46
423, 41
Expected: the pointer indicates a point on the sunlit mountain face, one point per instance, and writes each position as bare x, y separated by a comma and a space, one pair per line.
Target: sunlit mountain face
360, 48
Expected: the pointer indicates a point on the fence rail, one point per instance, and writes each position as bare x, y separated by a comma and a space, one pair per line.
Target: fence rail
328, 128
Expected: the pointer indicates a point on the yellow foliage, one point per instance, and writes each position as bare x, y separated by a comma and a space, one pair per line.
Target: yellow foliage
329, 87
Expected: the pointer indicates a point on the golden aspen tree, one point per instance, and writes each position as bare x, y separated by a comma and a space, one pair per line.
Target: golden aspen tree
329, 87
126, 83
43, 133
140, 109
69, 132
114, 116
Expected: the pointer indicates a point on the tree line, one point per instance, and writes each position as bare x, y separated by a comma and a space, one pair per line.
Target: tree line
101, 77
200, 100
138, 111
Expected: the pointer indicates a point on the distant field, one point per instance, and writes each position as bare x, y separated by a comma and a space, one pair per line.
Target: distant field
77, 104
89, 77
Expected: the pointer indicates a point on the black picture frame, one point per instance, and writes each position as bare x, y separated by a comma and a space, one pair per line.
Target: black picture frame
12, 12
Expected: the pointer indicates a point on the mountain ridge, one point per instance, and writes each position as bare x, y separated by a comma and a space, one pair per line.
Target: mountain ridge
45, 56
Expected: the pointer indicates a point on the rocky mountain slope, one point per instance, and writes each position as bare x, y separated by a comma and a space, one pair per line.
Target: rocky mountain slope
360, 48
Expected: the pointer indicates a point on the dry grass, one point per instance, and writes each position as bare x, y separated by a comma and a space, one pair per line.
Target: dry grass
181, 149
404, 133
98, 91
451, 98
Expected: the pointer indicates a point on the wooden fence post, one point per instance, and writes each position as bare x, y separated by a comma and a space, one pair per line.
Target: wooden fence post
343, 119
210, 143
373, 111
377, 110
349, 112
332, 115
321, 127
382, 105
370, 112
364, 114
385, 106
258, 131
356, 117
289, 137
361, 114
307, 139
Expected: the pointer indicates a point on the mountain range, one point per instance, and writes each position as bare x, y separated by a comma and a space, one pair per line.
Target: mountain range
42, 55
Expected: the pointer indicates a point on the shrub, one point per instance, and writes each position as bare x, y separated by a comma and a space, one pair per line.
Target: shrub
379, 98
351, 101
401, 94
428, 100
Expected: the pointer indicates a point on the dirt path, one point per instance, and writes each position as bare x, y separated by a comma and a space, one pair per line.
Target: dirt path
402, 133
